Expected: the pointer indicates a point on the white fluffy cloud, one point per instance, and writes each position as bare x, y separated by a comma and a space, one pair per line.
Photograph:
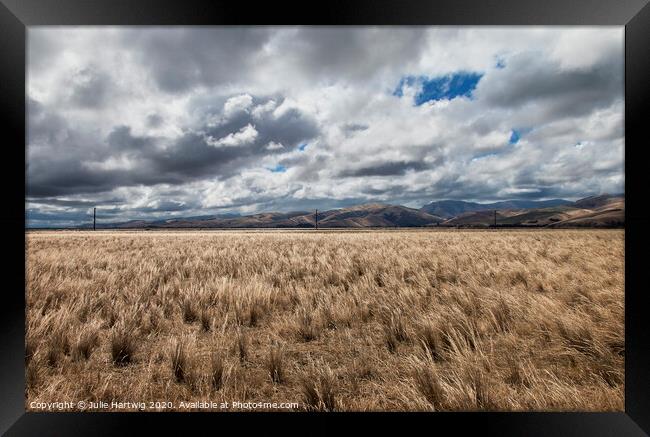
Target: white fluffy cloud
237, 104
245, 135
274, 146
183, 121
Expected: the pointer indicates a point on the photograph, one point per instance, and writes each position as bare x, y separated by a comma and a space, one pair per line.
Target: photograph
324, 218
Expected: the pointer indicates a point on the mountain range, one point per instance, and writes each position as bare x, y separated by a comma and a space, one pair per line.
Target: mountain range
596, 211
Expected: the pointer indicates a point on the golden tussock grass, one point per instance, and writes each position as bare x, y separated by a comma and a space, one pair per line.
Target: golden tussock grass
337, 321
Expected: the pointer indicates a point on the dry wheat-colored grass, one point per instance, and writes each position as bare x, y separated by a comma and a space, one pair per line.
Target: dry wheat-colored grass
337, 320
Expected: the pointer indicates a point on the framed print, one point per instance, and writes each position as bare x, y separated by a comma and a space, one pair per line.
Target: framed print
413, 211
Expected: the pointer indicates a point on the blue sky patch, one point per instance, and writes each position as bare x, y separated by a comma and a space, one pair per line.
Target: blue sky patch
516, 134
278, 169
302, 147
447, 87
514, 137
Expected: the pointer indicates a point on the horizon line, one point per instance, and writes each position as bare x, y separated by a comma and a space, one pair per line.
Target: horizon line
306, 212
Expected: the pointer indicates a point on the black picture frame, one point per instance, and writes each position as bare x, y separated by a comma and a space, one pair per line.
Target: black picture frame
15, 15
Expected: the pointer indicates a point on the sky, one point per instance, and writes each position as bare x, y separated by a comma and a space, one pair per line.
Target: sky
162, 122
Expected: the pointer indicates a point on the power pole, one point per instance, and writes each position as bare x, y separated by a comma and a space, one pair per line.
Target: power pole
495, 218
316, 219
94, 217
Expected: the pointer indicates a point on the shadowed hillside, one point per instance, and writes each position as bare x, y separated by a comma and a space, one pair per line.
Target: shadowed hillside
453, 208
361, 216
596, 211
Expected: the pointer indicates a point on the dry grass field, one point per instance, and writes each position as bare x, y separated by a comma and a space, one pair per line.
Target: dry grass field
336, 320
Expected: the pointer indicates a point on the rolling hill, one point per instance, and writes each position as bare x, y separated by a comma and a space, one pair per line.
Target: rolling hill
596, 211
377, 215
361, 216
454, 208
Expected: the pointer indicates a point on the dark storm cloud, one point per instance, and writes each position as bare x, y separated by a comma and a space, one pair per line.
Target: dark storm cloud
384, 169
121, 140
44, 127
89, 88
55, 152
349, 53
182, 58
563, 92
73, 203
188, 158
60, 177
289, 128
457, 186
193, 157
350, 129
154, 120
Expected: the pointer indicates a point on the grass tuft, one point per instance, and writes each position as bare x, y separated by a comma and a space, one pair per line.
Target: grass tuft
206, 320
319, 388
122, 347
189, 311
87, 341
217, 368
179, 360
427, 382
275, 363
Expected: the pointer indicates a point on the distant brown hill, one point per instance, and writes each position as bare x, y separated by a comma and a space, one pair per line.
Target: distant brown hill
605, 213
361, 216
377, 215
596, 211
597, 202
454, 208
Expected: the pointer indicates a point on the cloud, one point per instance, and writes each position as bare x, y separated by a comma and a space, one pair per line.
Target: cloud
245, 135
551, 90
237, 104
62, 163
180, 59
384, 169
89, 88
154, 120
193, 121
274, 146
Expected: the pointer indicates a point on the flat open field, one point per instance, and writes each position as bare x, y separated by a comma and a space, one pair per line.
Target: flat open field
382, 320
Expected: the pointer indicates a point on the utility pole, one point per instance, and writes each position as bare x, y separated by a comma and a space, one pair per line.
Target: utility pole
316, 219
495, 218
94, 217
